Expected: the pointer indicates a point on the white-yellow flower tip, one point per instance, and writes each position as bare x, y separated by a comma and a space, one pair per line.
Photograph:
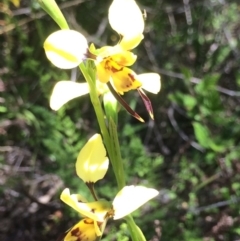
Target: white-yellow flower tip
71, 199
92, 162
131, 42
65, 91
66, 48
126, 18
150, 82
131, 198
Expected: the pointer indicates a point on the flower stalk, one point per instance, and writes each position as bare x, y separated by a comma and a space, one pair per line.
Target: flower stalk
110, 138
100, 116
107, 118
135, 231
52, 9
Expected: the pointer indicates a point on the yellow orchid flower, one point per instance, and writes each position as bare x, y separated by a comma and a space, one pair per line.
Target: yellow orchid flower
68, 48
91, 166
126, 18
112, 68
127, 200
112, 65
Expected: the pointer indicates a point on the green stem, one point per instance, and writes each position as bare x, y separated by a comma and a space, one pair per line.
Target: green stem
96, 104
51, 7
135, 231
110, 138
117, 158
91, 188
101, 121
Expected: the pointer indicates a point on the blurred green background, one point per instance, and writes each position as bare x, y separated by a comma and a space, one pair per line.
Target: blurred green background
190, 153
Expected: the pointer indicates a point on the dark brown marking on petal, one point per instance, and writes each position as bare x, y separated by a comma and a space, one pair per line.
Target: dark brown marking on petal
131, 76
75, 232
108, 66
80, 201
114, 70
123, 103
126, 84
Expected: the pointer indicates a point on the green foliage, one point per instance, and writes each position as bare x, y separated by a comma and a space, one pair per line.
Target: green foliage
191, 156
119, 234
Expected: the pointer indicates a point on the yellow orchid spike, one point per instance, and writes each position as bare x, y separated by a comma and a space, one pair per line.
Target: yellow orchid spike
92, 162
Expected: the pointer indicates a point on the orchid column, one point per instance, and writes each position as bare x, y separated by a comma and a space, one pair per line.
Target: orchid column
106, 71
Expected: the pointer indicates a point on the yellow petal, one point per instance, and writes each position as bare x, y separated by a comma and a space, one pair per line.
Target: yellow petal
126, 58
94, 210
150, 82
103, 74
92, 162
66, 48
131, 198
131, 42
83, 230
125, 17
124, 80
65, 91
